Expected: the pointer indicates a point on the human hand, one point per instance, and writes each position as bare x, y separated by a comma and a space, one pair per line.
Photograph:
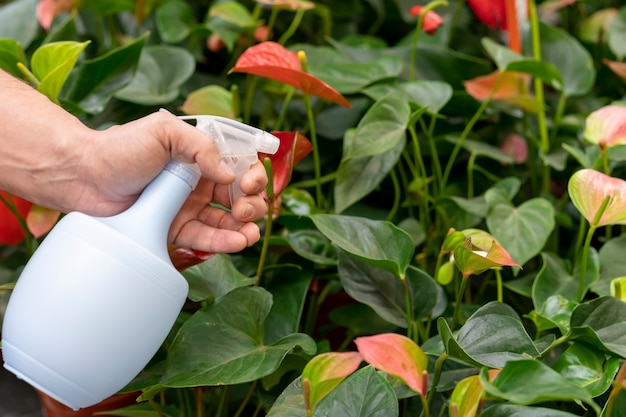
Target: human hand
123, 159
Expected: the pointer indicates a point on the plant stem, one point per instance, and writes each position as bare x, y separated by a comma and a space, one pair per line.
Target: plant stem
423, 175
316, 151
436, 376
457, 305
245, 401
266, 241
283, 110
541, 114
396, 195
292, 27
408, 309
499, 284
425, 407
585, 255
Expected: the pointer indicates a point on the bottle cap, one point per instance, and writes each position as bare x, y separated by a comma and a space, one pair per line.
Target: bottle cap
190, 173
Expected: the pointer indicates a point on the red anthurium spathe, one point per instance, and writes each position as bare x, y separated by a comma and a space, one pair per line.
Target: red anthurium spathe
292, 149
398, 356
606, 126
47, 10
490, 12
274, 61
516, 146
509, 87
11, 232
618, 68
183, 258
324, 372
431, 21
589, 188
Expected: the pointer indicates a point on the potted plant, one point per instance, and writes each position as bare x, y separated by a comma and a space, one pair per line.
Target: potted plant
450, 171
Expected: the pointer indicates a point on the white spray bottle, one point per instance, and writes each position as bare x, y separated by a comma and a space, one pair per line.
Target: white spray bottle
99, 296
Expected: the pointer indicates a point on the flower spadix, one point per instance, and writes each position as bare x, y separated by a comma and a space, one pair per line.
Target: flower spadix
601, 199
606, 126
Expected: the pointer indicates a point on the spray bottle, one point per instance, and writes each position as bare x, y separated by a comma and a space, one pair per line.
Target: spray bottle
100, 295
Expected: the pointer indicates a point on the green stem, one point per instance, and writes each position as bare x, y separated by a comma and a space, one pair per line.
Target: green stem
583, 264
246, 399
266, 241
311, 183
425, 407
433, 150
499, 284
423, 175
295, 23
436, 376
541, 114
316, 151
283, 110
396, 195
409, 310
457, 305
558, 115
251, 81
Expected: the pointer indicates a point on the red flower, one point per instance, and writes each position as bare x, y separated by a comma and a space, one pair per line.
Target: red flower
431, 21
272, 60
490, 12
293, 147
11, 232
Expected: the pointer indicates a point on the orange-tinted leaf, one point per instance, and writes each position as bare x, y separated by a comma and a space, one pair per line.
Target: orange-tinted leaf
588, 189
510, 87
293, 147
40, 220
274, 61
619, 68
324, 372
47, 10
468, 394
11, 232
288, 4
212, 99
606, 126
431, 21
183, 258
398, 356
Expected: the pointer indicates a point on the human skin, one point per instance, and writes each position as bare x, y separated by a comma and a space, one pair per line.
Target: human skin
51, 158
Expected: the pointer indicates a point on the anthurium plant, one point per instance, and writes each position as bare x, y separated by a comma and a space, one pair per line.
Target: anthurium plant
445, 233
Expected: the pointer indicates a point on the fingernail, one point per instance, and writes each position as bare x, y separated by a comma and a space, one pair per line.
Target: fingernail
248, 211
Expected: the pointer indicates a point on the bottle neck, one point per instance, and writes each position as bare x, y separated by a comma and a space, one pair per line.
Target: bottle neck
148, 221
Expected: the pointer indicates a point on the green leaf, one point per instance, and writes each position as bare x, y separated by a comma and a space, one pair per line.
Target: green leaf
545, 71
528, 381
433, 95
587, 368
212, 99
554, 278
381, 129
617, 34
500, 54
161, 71
358, 177
555, 311
363, 394
233, 13
214, 278
289, 289
290, 403
95, 81
572, 60
108, 7
351, 78
466, 397
524, 230
612, 264
175, 21
384, 293
312, 245
601, 323
482, 149
52, 63
379, 243
10, 54
18, 21
324, 372
144, 409
492, 336
223, 344
511, 410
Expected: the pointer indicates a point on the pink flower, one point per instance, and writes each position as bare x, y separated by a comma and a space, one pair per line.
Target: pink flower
516, 146
47, 10
431, 21
606, 126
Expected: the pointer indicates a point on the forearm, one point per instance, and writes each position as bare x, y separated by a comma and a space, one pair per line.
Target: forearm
41, 145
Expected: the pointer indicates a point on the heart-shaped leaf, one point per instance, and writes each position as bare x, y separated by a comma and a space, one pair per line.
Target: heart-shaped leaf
363, 394
379, 243
587, 368
601, 323
162, 69
396, 355
324, 372
433, 95
175, 22
527, 381
589, 188
381, 129
52, 63
522, 230
385, 294
492, 336
312, 245
212, 99
274, 61
95, 81
223, 343
214, 278
290, 403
